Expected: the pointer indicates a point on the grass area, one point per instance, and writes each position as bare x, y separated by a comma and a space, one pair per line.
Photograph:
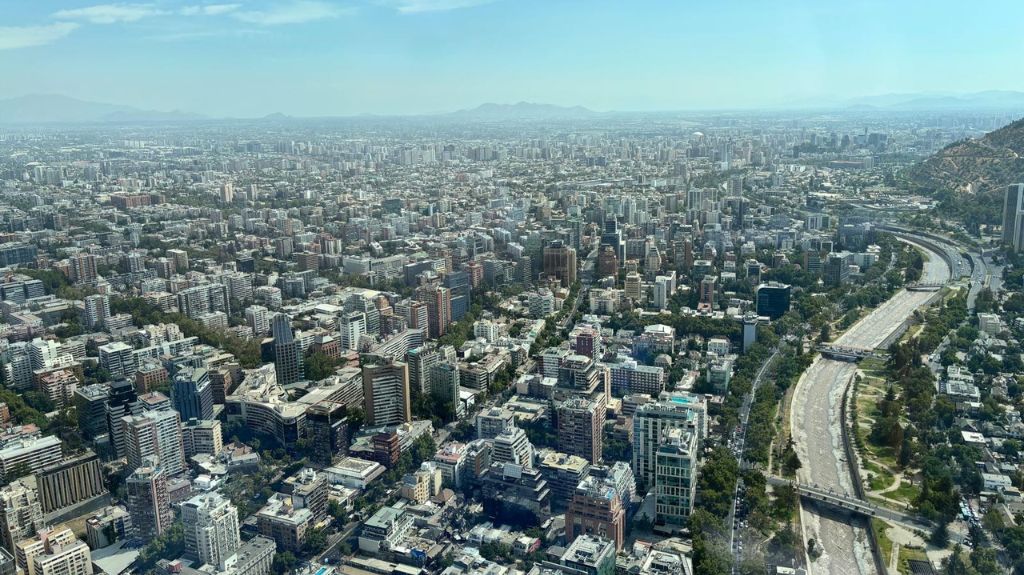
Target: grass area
906, 492
884, 543
878, 477
907, 554
872, 365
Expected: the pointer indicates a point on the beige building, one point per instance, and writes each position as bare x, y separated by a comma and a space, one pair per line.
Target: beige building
56, 552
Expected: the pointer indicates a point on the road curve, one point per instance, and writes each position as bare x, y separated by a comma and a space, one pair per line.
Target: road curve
815, 421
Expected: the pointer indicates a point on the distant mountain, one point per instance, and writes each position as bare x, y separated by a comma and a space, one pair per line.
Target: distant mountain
943, 101
523, 111
969, 177
56, 109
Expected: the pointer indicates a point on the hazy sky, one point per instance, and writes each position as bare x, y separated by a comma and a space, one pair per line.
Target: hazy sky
334, 57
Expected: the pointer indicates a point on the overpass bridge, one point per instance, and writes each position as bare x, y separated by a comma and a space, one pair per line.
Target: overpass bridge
924, 286
846, 353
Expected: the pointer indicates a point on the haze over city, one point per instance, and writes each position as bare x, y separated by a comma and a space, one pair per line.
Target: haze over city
327, 58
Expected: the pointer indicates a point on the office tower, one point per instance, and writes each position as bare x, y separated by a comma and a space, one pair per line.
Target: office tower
580, 428
651, 420
287, 360
327, 428
512, 446
459, 285
634, 287
121, 401
439, 308
708, 290
73, 480
97, 309
54, 552
560, 262
155, 434
148, 500
421, 361
386, 393
211, 528
118, 358
201, 436
595, 508
773, 299
352, 325
21, 513
192, 393
675, 477
836, 270
257, 317
1013, 217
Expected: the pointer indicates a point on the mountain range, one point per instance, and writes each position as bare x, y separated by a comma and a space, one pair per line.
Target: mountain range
56, 109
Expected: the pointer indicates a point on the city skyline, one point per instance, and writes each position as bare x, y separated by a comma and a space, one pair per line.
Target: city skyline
250, 58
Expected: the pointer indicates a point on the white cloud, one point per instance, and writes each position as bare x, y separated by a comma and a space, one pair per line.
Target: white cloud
419, 6
209, 9
13, 37
110, 13
295, 12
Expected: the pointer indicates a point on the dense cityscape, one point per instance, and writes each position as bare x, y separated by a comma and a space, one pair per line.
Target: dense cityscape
495, 287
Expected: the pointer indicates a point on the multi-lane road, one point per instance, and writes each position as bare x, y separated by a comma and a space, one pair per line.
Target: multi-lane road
816, 423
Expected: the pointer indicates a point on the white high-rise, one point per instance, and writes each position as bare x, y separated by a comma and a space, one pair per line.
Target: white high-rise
211, 528
155, 433
258, 318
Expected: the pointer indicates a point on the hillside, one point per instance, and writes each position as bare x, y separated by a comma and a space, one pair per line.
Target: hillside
969, 177
56, 109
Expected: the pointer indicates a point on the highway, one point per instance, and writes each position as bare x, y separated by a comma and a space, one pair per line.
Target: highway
816, 422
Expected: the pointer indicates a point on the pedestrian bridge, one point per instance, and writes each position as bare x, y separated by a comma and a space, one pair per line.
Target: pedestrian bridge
849, 503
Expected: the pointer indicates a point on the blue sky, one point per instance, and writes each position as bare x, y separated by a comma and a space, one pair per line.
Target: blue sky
334, 57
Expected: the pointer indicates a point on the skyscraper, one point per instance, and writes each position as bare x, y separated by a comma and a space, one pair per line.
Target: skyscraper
148, 500
1013, 217
97, 309
155, 434
580, 427
386, 392
211, 528
560, 262
287, 360
192, 393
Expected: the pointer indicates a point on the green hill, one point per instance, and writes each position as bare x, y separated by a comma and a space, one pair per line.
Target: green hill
969, 177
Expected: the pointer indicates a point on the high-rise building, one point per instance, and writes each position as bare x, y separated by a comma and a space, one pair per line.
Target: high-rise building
21, 513
560, 262
675, 477
149, 502
97, 309
31, 452
596, 509
580, 428
386, 393
257, 317
155, 434
73, 480
352, 326
118, 358
211, 528
327, 428
672, 411
287, 354
773, 299
201, 436
439, 308
1013, 217
512, 446
54, 552
192, 393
